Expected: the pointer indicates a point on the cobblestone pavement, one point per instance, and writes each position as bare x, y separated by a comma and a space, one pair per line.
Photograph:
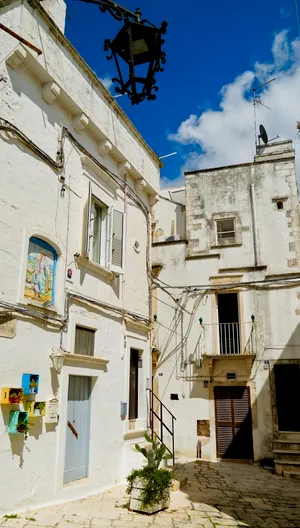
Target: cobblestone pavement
217, 495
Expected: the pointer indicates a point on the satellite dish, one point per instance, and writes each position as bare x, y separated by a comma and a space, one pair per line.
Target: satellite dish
263, 134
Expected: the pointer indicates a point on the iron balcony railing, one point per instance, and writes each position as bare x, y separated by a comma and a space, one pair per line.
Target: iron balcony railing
227, 338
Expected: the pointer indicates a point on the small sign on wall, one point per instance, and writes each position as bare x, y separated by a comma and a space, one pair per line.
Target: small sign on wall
51, 411
203, 428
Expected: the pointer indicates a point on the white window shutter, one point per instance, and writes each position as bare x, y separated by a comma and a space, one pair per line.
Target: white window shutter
117, 241
108, 238
87, 233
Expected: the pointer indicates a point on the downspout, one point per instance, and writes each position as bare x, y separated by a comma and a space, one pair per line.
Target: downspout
254, 221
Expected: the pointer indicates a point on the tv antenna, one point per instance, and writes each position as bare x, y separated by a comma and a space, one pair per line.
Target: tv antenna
256, 102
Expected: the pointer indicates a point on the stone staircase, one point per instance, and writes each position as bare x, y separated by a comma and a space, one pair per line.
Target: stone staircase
287, 455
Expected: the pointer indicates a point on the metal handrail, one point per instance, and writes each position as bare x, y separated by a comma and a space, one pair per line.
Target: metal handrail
162, 404
162, 424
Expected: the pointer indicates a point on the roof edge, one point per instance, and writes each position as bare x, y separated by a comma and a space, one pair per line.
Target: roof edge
248, 164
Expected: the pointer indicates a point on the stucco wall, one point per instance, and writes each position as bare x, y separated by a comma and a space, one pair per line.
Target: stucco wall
33, 204
200, 262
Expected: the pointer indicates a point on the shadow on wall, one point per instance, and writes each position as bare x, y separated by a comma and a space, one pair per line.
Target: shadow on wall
114, 284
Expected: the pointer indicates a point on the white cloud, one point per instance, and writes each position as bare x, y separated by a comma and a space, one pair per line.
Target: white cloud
226, 136
107, 82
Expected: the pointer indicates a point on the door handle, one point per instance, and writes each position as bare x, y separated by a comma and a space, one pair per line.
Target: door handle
72, 429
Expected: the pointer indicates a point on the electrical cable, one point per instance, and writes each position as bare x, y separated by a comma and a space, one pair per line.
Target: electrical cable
11, 307
216, 287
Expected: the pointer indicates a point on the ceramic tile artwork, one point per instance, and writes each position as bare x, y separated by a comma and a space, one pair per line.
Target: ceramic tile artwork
39, 273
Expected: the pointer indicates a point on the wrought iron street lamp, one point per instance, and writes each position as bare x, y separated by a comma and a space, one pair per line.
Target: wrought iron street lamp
138, 44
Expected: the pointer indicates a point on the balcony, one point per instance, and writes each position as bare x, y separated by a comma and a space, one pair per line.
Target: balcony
226, 341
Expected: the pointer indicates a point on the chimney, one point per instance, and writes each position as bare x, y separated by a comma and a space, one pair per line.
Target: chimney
273, 151
56, 9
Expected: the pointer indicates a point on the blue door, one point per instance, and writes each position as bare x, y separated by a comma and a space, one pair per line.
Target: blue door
78, 428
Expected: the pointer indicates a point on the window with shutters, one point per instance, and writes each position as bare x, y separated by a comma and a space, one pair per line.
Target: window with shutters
84, 341
98, 232
117, 239
104, 234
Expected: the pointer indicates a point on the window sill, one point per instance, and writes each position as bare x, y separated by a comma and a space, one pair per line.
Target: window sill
224, 246
97, 268
36, 304
81, 358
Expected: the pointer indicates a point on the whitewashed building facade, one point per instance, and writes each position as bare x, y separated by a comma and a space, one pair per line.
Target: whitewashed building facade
226, 250
77, 185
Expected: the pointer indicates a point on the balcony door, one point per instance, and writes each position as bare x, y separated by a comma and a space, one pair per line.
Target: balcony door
229, 324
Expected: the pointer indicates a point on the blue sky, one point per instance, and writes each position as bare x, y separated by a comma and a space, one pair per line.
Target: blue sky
208, 45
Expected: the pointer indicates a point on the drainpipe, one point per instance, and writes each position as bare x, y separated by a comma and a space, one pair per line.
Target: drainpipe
181, 337
254, 223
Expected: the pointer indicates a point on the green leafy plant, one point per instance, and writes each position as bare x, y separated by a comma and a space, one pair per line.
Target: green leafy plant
16, 396
11, 516
24, 427
33, 385
156, 482
40, 407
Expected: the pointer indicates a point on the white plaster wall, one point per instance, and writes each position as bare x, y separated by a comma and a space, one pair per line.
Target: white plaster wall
60, 63
32, 204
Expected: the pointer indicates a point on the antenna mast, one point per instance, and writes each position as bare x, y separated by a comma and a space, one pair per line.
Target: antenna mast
256, 102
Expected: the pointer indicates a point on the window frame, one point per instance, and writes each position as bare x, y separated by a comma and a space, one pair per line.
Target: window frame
107, 234
102, 260
87, 329
231, 240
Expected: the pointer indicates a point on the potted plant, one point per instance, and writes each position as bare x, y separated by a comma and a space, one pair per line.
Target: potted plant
23, 427
16, 396
33, 386
149, 487
39, 409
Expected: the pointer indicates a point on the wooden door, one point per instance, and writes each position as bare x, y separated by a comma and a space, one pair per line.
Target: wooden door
78, 428
233, 423
133, 384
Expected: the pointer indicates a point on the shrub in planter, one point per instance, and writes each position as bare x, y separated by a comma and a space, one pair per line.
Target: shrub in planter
23, 427
39, 408
16, 395
149, 487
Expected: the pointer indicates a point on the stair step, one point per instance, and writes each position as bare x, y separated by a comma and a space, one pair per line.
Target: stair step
282, 466
286, 455
287, 444
288, 452
289, 435
291, 475
295, 463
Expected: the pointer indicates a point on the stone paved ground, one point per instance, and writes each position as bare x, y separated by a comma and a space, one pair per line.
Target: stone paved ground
217, 495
